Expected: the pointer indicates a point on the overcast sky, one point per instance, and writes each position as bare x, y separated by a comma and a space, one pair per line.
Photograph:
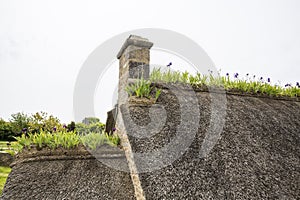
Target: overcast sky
43, 44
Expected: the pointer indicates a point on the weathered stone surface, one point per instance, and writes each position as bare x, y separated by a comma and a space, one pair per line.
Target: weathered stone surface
134, 41
134, 59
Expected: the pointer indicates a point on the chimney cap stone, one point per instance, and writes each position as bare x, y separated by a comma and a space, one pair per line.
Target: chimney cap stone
135, 41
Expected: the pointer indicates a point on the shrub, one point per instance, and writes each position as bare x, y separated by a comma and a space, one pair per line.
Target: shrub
83, 129
19, 122
6, 133
71, 126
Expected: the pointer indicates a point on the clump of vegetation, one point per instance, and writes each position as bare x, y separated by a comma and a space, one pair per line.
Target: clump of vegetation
259, 86
246, 85
88, 125
169, 76
52, 140
66, 140
142, 88
94, 140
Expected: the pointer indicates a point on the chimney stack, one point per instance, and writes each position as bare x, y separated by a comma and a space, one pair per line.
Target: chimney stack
134, 58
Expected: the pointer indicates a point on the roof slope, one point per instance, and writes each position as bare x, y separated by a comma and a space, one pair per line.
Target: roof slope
257, 156
74, 176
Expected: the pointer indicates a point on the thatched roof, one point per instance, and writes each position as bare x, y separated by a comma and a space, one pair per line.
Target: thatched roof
257, 156
62, 174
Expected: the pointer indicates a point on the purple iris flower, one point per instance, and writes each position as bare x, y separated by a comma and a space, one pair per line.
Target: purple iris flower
227, 74
54, 128
247, 74
114, 129
269, 80
236, 75
24, 130
287, 85
297, 84
261, 78
64, 126
169, 65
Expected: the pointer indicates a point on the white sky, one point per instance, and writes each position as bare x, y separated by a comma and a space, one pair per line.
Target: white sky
43, 44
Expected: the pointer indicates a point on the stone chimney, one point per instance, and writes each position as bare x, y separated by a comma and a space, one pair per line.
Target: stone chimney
134, 58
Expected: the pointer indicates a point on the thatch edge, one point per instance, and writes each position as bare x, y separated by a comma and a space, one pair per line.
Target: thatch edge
219, 90
78, 153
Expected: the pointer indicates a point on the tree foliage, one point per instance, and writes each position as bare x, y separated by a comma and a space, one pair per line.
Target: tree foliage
5, 131
21, 123
90, 124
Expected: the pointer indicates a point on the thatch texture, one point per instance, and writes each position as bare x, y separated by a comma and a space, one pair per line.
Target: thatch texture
257, 156
69, 174
5, 159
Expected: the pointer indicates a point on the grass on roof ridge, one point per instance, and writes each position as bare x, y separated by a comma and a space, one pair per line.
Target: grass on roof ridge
66, 140
250, 85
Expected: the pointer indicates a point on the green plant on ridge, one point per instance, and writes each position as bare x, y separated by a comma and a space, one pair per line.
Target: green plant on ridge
249, 85
94, 140
141, 88
66, 140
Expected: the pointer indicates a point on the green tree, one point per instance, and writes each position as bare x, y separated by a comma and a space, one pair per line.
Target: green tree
6, 133
90, 124
19, 122
90, 120
81, 128
41, 121
52, 122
